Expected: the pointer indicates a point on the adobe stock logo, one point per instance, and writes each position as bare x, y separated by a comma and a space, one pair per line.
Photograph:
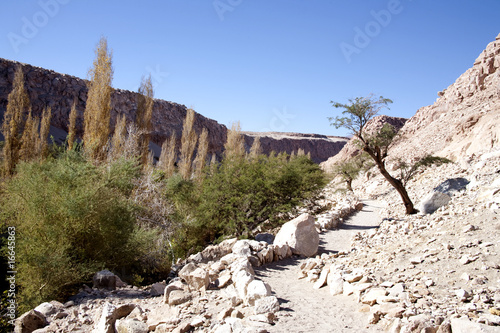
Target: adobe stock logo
223, 6
31, 26
279, 122
363, 37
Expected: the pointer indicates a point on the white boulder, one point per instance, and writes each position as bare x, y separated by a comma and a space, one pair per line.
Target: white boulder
300, 234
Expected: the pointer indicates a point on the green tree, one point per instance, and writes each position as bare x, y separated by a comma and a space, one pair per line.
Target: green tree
350, 169
357, 113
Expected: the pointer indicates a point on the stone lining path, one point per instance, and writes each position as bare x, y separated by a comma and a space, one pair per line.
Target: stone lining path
304, 309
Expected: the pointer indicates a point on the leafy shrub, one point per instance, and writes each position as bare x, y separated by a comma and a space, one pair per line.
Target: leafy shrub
72, 219
239, 195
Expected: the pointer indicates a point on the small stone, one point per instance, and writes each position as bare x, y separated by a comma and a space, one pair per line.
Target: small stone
267, 304
177, 297
322, 278
371, 296
462, 294
416, 261
374, 317
465, 259
237, 314
469, 228
387, 284
336, 283
225, 313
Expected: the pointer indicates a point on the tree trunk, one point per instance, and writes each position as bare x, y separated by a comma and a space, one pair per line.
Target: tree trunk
349, 184
398, 185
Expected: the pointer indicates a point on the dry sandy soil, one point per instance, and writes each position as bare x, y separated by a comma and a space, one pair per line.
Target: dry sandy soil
304, 309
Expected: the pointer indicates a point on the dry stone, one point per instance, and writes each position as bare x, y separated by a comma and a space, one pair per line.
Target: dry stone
105, 279
131, 326
257, 289
196, 277
268, 304
29, 322
300, 234
433, 201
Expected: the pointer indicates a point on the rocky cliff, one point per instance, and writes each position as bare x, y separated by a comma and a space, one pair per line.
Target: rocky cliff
465, 119
321, 147
49, 88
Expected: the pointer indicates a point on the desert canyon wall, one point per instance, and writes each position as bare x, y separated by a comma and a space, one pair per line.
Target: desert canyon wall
58, 91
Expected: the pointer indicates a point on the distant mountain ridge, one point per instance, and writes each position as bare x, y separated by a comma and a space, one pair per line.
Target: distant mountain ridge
49, 88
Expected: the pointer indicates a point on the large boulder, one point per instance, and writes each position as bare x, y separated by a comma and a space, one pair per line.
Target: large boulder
300, 234
130, 326
29, 322
257, 289
441, 195
433, 202
105, 280
196, 277
110, 314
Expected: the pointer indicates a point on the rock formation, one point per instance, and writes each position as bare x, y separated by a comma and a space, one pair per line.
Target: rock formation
321, 147
48, 88
465, 119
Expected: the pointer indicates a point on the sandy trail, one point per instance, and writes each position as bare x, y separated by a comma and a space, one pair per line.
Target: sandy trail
304, 309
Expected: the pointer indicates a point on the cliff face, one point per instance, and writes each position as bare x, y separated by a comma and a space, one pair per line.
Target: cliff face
49, 88
321, 147
464, 120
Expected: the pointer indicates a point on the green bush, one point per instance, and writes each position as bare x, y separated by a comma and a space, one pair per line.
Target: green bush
241, 194
72, 219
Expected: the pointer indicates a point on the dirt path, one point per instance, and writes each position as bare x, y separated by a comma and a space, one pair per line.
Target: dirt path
304, 309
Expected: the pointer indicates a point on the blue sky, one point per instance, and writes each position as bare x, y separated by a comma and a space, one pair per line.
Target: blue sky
271, 64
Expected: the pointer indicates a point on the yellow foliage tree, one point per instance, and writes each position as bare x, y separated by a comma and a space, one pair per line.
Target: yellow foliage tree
256, 148
29, 140
201, 154
119, 138
144, 114
234, 147
44, 133
18, 104
72, 126
98, 109
188, 144
168, 155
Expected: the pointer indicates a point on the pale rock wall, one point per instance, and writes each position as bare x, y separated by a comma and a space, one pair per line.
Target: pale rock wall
464, 120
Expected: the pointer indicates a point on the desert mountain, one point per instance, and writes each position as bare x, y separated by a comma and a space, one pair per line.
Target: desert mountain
465, 119
49, 88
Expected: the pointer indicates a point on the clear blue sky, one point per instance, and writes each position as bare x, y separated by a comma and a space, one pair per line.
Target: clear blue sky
271, 64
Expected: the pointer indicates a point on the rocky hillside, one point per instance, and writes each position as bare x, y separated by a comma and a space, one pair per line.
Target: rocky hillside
350, 149
436, 272
48, 88
321, 147
465, 119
